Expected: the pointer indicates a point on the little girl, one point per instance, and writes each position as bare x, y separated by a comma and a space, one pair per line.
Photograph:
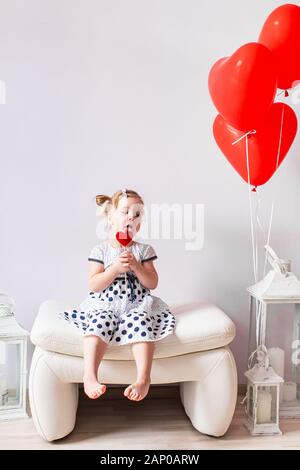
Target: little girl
120, 308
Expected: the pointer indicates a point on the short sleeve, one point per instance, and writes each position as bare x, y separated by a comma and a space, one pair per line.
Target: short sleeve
149, 254
96, 254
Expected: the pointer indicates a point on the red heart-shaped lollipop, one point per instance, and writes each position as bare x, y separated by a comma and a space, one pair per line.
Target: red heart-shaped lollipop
124, 238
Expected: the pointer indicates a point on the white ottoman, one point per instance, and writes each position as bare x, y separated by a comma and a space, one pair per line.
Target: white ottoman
196, 356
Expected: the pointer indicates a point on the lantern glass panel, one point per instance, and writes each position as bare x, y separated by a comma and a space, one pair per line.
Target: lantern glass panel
274, 407
10, 377
266, 405
250, 403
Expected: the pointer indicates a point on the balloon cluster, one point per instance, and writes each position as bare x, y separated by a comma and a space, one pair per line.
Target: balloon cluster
243, 88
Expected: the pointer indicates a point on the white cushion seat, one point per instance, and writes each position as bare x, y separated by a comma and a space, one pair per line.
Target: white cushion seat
199, 327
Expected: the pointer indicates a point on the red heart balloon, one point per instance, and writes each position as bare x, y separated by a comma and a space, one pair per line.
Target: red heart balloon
262, 146
243, 86
281, 34
124, 238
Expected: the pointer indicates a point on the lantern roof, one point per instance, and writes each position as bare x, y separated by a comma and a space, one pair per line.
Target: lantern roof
277, 286
263, 376
9, 327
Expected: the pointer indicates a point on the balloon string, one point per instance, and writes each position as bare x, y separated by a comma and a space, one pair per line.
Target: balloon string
280, 136
243, 136
254, 241
251, 211
268, 238
254, 238
260, 326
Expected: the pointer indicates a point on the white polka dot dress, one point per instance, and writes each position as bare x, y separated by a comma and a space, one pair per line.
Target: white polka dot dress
122, 313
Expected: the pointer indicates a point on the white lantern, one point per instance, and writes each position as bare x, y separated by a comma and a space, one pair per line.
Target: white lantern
276, 302
13, 367
263, 401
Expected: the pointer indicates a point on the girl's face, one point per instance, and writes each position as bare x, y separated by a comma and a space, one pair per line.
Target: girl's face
127, 215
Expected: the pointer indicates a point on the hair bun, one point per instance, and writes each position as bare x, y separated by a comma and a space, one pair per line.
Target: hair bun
104, 203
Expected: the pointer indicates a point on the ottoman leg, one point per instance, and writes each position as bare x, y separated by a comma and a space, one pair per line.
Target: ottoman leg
53, 403
210, 402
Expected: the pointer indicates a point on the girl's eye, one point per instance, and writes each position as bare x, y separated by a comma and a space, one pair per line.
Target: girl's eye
136, 215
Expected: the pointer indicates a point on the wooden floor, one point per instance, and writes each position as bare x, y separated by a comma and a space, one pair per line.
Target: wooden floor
157, 422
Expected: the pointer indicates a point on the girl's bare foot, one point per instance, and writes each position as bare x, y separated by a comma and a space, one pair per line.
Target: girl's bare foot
138, 390
93, 388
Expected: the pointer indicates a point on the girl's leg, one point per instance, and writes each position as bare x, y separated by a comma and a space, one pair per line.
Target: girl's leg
93, 351
143, 355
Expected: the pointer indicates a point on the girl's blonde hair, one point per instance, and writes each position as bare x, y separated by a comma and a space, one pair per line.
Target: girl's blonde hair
107, 202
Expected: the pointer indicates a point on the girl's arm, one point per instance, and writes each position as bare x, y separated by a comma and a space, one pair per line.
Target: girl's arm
98, 278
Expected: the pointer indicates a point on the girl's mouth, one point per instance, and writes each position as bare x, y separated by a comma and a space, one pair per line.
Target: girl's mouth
127, 228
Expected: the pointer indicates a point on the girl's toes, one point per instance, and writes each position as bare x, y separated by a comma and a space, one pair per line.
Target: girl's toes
93, 389
100, 391
127, 391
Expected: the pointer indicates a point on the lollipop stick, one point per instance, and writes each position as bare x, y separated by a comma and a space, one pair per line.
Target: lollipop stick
125, 272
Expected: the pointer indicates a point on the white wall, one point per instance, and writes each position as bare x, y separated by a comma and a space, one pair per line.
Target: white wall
103, 94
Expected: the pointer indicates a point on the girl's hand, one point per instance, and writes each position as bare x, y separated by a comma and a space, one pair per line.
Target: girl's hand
128, 258
122, 265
